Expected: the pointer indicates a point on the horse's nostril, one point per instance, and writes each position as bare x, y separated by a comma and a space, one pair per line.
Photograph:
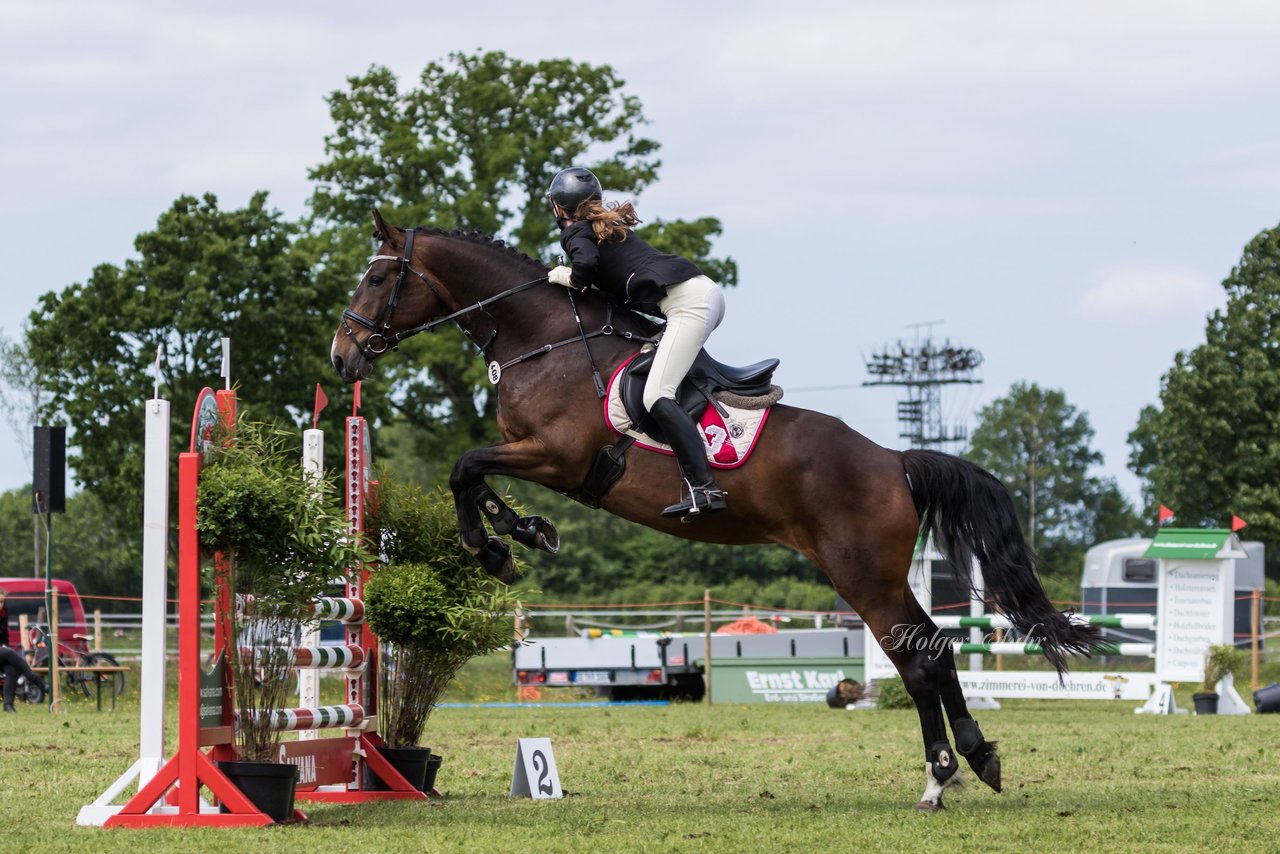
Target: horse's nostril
337, 363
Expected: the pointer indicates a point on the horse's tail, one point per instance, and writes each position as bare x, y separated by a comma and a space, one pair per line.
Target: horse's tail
969, 514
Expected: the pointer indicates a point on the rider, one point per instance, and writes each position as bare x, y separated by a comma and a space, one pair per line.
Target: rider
605, 252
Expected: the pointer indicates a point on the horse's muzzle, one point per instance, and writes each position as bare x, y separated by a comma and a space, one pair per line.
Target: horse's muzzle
351, 367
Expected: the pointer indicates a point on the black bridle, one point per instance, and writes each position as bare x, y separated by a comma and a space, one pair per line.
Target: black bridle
382, 338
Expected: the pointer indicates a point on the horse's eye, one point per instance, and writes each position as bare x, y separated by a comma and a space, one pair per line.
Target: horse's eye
375, 280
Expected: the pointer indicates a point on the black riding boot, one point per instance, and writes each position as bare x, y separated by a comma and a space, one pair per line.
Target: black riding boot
691, 452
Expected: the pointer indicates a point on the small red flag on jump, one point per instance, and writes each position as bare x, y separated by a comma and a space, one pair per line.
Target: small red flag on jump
1237, 523
1165, 515
321, 402
355, 407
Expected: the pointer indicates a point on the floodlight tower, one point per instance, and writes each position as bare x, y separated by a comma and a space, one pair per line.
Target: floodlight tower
923, 368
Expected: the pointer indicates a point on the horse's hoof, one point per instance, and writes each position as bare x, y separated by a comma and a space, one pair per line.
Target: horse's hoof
990, 773
929, 806
534, 532
495, 557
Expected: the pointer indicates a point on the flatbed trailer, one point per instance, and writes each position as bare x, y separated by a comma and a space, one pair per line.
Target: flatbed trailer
649, 665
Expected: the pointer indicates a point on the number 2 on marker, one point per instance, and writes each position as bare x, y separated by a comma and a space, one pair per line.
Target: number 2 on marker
543, 768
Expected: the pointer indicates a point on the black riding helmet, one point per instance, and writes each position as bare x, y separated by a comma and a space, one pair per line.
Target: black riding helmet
573, 186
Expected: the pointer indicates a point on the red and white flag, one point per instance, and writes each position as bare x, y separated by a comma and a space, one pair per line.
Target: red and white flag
1166, 515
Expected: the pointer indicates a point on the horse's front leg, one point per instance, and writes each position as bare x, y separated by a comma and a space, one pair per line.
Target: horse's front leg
532, 532
476, 501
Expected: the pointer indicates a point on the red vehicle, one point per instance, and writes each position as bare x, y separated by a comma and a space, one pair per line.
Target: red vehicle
26, 596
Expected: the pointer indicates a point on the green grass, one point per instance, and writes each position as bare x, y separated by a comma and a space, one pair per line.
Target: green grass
1078, 776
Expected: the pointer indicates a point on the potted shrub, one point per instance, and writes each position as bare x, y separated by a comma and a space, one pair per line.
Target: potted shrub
1219, 660
281, 536
433, 608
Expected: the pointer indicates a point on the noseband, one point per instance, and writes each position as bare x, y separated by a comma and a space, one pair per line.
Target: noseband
383, 339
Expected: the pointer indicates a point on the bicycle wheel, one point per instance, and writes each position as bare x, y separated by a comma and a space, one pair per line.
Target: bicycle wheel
76, 678
110, 681
33, 693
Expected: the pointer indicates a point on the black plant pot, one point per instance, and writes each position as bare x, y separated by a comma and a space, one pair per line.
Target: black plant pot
1267, 700
269, 786
1206, 704
411, 762
433, 768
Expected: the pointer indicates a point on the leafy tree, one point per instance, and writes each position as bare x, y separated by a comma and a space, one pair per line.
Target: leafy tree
201, 274
21, 399
88, 548
1212, 448
473, 145
1039, 445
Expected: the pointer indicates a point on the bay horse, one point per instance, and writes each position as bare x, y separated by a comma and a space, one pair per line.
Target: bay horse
852, 507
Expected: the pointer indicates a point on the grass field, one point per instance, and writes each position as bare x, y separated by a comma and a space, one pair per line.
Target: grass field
1078, 776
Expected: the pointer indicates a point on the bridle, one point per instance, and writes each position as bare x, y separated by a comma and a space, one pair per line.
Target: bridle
381, 337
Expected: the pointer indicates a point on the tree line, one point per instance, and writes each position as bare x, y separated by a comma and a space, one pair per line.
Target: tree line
472, 144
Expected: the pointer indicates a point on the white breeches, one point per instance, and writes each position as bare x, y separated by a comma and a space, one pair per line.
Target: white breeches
693, 309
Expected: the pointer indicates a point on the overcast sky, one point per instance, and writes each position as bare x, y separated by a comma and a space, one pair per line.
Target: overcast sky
1062, 185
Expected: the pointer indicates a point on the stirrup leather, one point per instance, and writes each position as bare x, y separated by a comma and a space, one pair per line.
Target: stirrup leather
702, 499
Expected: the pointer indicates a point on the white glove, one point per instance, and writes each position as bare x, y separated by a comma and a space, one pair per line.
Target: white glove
561, 276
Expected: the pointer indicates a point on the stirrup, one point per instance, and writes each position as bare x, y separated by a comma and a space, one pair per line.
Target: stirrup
702, 499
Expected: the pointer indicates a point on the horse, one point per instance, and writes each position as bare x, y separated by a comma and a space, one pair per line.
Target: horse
853, 508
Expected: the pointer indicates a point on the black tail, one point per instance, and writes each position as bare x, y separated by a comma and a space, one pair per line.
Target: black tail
969, 514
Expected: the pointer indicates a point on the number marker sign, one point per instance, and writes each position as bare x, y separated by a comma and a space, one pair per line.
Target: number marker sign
535, 774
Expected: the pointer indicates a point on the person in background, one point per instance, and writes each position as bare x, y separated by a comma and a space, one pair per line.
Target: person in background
12, 663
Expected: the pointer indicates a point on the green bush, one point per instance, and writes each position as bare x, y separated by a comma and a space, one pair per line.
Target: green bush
431, 604
892, 694
1219, 660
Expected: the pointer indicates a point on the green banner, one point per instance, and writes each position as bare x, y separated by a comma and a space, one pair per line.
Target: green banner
779, 680
1188, 543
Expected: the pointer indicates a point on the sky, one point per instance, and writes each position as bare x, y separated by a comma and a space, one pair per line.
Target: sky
1061, 186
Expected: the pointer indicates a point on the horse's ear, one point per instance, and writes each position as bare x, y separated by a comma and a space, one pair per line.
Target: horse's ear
382, 229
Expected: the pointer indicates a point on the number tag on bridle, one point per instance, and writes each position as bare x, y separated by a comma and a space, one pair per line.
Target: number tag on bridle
495, 372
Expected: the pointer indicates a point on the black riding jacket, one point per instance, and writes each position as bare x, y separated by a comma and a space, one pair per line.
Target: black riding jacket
631, 270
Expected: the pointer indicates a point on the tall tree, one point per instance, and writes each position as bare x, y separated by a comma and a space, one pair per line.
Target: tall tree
1212, 447
100, 557
473, 145
1039, 445
22, 397
201, 274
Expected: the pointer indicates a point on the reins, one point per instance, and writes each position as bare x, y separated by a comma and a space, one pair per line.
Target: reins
380, 327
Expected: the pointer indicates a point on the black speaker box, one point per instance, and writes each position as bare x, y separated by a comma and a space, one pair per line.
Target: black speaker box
49, 480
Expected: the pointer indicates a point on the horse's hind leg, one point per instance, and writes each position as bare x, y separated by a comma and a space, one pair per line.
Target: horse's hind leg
970, 743
911, 641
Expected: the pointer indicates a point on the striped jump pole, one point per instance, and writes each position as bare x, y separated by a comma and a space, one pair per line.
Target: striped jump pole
342, 609
346, 657
348, 715
1144, 650
339, 608
998, 621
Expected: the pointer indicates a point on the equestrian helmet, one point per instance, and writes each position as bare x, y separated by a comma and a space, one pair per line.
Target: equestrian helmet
573, 186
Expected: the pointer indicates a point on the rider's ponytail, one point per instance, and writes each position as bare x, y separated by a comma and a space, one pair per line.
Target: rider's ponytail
612, 222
